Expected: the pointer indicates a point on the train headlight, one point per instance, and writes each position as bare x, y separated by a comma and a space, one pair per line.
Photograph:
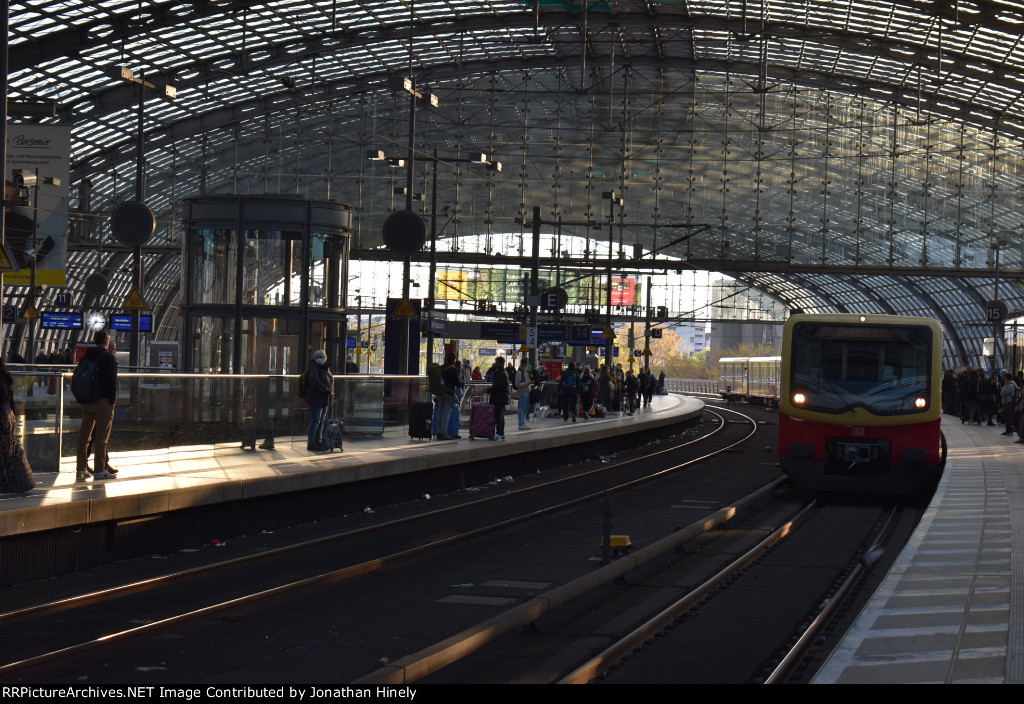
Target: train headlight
799, 399
920, 402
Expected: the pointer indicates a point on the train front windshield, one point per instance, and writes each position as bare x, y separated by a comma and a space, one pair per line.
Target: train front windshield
881, 368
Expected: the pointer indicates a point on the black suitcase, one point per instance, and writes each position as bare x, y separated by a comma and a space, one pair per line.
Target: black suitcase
420, 415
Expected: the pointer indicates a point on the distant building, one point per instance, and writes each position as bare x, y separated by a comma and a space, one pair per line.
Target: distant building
694, 337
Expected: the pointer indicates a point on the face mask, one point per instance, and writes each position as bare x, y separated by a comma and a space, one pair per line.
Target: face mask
319, 360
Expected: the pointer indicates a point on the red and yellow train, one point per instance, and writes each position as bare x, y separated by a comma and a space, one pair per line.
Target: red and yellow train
860, 402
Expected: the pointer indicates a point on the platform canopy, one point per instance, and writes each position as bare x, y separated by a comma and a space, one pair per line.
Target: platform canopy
854, 155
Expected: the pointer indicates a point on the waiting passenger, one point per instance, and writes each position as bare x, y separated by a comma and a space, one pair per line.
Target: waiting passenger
1007, 396
588, 390
523, 383
15, 473
630, 389
319, 393
568, 392
499, 397
95, 387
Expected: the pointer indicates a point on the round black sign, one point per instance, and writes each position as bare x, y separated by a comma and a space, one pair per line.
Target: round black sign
96, 284
404, 232
132, 223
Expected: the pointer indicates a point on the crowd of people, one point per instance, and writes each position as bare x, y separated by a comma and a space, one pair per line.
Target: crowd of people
992, 399
578, 392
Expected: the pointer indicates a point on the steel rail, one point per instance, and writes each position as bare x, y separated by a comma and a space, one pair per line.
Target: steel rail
625, 645
166, 578
807, 638
352, 570
415, 666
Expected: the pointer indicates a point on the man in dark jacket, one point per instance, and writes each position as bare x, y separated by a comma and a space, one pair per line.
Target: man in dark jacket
499, 397
98, 413
318, 398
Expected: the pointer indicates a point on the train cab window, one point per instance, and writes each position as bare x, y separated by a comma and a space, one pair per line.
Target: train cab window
840, 367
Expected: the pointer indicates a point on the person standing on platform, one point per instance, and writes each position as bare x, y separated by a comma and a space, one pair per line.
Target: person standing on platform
649, 388
569, 393
446, 401
523, 385
95, 387
631, 388
620, 388
1007, 395
318, 398
499, 397
15, 473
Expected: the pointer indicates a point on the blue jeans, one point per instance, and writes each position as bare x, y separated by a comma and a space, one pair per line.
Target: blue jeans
524, 407
445, 404
317, 421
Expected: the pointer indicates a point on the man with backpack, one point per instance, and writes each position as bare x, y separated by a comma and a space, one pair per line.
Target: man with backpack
451, 381
94, 385
569, 392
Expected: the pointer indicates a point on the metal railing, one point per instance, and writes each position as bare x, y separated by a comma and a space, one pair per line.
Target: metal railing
160, 415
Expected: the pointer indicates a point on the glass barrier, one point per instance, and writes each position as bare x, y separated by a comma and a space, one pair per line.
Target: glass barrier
169, 417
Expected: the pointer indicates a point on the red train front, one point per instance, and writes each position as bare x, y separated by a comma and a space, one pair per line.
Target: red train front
861, 402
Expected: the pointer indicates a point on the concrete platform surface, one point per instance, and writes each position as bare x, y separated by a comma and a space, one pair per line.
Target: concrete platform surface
150, 483
950, 609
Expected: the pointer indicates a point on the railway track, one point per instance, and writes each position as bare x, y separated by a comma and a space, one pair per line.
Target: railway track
77, 633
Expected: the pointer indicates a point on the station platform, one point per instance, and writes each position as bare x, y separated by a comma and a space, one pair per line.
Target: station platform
952, 607
151, 483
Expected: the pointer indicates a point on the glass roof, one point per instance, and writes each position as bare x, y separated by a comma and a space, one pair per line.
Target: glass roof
819, 144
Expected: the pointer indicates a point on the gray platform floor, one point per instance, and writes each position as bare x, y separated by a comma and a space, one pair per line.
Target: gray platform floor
950, 609
155, 482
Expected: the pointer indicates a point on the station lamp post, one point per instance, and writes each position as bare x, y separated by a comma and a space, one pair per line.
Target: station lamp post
609, 343
478, 158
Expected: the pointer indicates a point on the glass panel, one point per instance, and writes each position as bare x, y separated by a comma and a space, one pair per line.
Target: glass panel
213, 344
271, 346
213, 266
266, 261
162, 418
318, 262
294, 249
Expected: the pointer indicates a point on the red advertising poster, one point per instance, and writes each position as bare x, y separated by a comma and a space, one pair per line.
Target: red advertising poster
623, 291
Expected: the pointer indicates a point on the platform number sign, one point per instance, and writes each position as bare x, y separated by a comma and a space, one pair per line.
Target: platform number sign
995, 311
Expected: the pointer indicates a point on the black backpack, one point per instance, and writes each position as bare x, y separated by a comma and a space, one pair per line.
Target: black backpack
85, 382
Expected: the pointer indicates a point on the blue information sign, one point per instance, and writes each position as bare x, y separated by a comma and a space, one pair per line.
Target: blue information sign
502, 332
124, 322
552, 333
62, 321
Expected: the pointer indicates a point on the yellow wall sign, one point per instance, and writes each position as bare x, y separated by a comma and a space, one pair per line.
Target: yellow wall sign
134, 301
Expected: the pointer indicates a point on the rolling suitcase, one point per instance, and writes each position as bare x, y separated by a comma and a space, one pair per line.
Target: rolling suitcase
453, 421
419, 420
334, 435
481, 421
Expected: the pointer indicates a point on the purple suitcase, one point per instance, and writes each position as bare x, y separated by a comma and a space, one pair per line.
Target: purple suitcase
481, 421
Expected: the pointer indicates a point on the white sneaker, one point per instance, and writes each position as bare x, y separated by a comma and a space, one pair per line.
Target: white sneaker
104, 474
